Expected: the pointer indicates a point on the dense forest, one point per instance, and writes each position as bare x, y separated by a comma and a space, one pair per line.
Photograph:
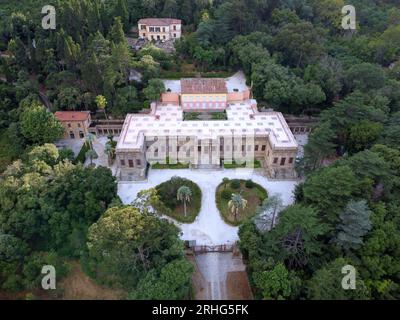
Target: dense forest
296, 57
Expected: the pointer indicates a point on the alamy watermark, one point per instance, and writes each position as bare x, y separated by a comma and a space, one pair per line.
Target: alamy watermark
349, 280
349, 20
49, 280
49, 20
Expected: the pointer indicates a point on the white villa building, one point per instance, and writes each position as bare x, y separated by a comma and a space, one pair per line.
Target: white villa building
161, 29
245, 135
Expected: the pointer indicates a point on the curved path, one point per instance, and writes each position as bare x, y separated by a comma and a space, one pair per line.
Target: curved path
208, 228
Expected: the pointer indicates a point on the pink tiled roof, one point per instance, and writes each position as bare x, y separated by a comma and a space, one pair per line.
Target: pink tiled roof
72, 115
203, 85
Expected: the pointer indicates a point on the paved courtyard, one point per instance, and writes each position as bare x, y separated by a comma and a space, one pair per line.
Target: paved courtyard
302, 140
208, 228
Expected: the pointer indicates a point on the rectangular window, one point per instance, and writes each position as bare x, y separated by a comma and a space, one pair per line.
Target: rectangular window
122, 162
199, 148
263, 148
290, 160
138, 162
69, 125
275, 160
79, 125
256, 147
130, 163
283, 160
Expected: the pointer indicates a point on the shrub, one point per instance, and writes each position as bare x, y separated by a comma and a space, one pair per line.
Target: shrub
226, 194
81, 157
249, 184
235, 184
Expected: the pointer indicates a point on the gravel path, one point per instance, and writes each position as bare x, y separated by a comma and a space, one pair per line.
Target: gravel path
208, 228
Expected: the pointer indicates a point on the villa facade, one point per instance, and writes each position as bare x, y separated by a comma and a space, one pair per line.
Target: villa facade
159, 29
246, 134
75, 123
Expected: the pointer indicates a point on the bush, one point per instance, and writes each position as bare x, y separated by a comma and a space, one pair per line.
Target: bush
81, 157
66, 154
226, 194
249, 184
235, 184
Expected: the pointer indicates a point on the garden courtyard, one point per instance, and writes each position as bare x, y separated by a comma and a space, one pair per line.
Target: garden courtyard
208, 227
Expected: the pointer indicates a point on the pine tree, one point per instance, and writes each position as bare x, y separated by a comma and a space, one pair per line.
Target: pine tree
121, 11
116, 34
355, 223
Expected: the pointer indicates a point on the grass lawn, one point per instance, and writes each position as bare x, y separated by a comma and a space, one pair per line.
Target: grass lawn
172, 207
234, 165
254, 196
170, 165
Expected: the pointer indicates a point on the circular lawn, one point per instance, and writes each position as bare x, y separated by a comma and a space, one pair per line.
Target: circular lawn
172, 206
249, 190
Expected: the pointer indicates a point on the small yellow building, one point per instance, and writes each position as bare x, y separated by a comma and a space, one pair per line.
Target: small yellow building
76, 123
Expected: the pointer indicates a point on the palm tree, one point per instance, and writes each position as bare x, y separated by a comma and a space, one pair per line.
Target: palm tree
108, 150
184, 194
91, 154
89, 140
236, 203
101, 103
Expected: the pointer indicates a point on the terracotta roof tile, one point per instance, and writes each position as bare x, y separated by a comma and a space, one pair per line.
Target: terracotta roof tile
203, 85
72, 115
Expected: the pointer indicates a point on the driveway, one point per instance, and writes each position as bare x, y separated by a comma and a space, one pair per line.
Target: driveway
208, 228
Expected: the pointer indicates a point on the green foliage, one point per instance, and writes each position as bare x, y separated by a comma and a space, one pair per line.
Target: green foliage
191, 115
124, 245
278, 283
326, 283
40, 126
51, 204
235, 184
363, 135
226, 194
296, 238
355, 224
32, 269
329, 190
154, 89
81, 157
168, 191
172, 283
249, 184
236, 205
